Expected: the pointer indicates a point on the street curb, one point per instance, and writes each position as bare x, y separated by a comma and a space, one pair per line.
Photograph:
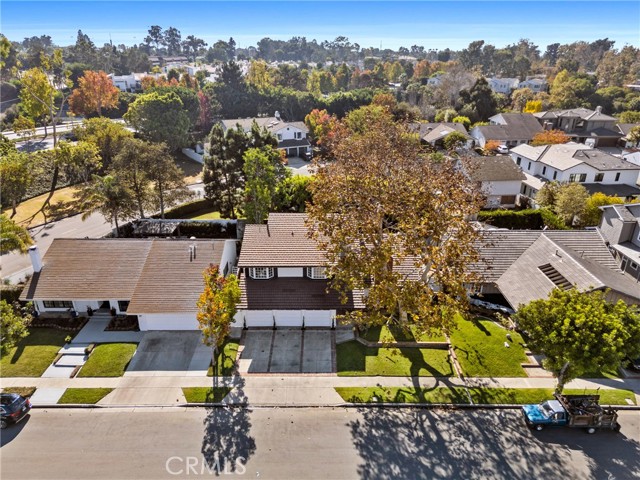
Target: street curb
443, 406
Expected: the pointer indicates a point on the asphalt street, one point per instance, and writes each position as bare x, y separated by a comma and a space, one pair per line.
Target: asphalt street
332, 443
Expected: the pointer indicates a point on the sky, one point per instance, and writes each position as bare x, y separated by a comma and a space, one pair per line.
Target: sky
390, 24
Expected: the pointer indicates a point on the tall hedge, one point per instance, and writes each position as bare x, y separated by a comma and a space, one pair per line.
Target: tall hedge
530, 219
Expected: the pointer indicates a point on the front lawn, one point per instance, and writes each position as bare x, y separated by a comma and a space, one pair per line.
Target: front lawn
24, 391
480, 395
108, 360
205, 394
205, 215
226, 359
479, 346
84, 395
34, 353
386, 334
354, 359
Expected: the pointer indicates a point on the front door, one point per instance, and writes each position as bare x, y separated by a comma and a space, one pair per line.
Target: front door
623, 265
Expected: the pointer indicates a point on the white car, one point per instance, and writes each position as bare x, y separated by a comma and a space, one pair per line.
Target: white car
503, 149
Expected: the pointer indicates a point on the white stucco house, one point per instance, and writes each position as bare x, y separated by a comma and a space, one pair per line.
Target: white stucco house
157, 280
534, 84
503, 85
293, 137
575, 162
498, 178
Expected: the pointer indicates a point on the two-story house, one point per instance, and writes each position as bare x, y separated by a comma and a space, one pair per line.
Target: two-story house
620, 226
503, 85
293, 137
591, 127
497, 177
510, 129
282, 276
575, 162
534, 84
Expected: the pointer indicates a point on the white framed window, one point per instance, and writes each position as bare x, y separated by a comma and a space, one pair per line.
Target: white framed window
634, 266
578, 177
298, 135
599, 177
279, 137
316, 273
617, 176
57, 304
261, 273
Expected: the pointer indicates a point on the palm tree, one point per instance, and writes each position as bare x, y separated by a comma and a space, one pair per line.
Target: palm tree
109, 196
13, 236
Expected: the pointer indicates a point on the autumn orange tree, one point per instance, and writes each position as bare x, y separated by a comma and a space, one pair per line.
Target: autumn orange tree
394, 224
321, 126
95, 92
549, 137
217, 307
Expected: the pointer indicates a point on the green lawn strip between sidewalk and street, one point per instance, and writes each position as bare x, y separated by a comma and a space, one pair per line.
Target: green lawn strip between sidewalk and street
226, 359
108, 360
33, 354
205, 394
479, 345
84, 395
478, 394
24, 391
354, 359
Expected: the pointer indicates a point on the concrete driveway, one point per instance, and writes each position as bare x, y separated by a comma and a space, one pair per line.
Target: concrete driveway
170, 353
287, 351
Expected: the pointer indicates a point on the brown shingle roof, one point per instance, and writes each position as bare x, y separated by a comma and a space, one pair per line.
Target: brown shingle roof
493, 169
292, 294
282, 242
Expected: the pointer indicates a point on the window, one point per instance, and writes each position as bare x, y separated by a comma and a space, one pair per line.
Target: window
578, 177
316, 273
529, 166
279, 137
599, 177
57, 304
123, 305
555, 175
298, 135
261, 273
544, 170
617, 176
634, 266
518, 161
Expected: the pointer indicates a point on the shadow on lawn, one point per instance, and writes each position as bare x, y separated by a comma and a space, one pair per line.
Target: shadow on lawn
227, 442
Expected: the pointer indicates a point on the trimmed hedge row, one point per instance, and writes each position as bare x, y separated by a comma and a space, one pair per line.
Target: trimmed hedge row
207, 229
530, 219
186, 209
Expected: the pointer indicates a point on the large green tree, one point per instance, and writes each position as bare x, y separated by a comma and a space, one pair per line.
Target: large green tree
160, 117
263, 170
393, 223
13, 326
580, 332
132, 164
107, 135
13, 236
16, 175
167, 179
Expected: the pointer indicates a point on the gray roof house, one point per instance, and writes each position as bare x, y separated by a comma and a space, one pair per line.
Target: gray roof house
293, 137
509, 129
582, 125
620, 226
435, 133
526, 265
499, 178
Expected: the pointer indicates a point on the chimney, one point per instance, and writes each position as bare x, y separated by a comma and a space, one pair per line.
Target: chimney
598, 109
36, 259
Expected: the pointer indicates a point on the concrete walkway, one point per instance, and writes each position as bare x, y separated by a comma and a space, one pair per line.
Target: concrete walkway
283, 390
94, 332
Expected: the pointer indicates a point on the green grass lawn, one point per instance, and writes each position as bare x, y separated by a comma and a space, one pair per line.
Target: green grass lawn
108, 360
24, 391
205, 215
84, 395
479, 346
205, 394
354, 359
385, 334
479, 395
227, 359
34, 353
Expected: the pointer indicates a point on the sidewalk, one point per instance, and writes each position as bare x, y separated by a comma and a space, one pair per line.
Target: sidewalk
291, 390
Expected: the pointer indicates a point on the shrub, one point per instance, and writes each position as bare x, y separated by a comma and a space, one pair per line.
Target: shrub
186, 209
522, 220
207, 229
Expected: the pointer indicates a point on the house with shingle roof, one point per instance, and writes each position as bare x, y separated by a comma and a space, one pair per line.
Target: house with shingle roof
625, 129
583, 125
620, 226
293, 137
282, 277
509, 129
598, 171
519, 266
498, 178
157, 280
435, 133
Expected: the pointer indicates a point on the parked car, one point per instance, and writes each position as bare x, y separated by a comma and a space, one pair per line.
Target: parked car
308, 156
634, 364
13, 408
503, 149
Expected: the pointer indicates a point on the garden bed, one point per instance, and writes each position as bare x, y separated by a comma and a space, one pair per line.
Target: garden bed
62, 321
124, 324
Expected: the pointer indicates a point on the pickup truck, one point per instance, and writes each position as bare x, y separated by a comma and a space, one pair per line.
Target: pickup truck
578, 411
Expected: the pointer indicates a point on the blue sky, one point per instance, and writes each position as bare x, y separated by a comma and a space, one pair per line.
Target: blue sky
432, 24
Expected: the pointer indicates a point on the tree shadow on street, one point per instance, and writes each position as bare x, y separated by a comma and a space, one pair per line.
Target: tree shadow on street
469, 444
227, 439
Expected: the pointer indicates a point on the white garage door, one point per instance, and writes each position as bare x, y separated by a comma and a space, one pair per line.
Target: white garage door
288, 318
168, 321
258, 318
318, 318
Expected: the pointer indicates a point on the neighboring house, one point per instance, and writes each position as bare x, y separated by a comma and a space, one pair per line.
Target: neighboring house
293, 137
503, 85
520, 266
574, 162
624, 129
434, 81
157, 280
126, 83
620, 226
591, 127
534, 84
282, 277
500, 179
435, 133
510, 129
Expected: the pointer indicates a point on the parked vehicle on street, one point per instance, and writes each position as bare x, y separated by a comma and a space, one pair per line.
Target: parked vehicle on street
578, 411
503, 149
13, 408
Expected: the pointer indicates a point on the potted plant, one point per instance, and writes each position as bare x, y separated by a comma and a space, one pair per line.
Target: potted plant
113, 311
